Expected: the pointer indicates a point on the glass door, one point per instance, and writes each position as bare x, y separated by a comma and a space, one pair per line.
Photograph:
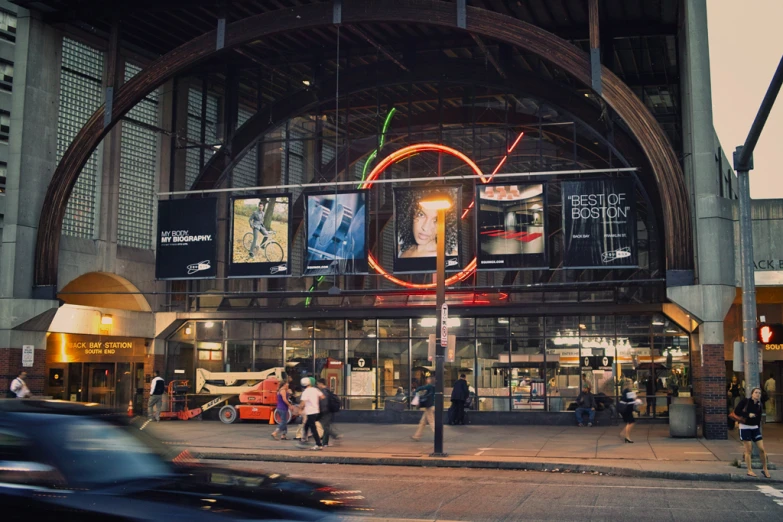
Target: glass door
101, 384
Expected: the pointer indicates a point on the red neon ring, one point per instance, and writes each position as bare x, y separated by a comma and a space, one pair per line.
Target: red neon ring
407, 152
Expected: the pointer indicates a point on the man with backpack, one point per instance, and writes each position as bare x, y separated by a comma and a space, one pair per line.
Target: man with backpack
18, 388
426, 402
157, 388
330, 405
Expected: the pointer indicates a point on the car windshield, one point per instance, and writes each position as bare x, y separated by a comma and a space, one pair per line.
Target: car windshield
95, 453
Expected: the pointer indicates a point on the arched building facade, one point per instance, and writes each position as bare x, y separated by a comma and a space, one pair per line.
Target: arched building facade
254, 99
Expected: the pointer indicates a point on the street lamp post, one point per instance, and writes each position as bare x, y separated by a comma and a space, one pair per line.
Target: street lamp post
441, 204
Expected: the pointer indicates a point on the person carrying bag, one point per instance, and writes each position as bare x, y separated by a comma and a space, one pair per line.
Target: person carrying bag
748, 416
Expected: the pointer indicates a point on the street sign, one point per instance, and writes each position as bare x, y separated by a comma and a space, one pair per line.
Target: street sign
451, 350
28, 355
431, 348
444, 325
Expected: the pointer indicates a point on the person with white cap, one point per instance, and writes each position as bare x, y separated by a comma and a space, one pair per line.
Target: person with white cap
310, 401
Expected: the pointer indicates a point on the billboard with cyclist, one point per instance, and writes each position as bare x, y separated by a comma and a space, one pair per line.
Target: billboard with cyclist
260, 245
336, 233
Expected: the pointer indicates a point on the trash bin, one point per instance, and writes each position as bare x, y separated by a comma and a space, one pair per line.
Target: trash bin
682, 417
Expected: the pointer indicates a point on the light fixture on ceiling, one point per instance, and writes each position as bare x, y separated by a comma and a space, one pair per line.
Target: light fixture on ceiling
188, 331
371, 335
209, 324
306, 82
502, 320
107, 319
582, 327
657, 323
296, 327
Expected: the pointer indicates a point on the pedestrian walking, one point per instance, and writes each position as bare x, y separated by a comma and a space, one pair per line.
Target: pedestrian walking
330, 405
459, 396
424, 399
650, 387
310, 401
18, 388
748, 415
155, 403
283, 408
628, 401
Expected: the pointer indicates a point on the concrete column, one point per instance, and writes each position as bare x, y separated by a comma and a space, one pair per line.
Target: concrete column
710, 299
32, 148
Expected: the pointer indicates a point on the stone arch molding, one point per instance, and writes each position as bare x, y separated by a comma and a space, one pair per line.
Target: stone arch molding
615, 93
119, 294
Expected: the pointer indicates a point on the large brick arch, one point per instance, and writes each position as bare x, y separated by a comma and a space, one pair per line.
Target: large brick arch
642, 124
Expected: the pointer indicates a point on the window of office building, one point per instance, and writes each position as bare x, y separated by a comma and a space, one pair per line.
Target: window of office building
198, 148
80, 96
138, 164
244, 174
7, 26
6, 75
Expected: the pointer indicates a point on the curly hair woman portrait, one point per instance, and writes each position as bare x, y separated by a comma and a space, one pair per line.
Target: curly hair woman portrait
417, 228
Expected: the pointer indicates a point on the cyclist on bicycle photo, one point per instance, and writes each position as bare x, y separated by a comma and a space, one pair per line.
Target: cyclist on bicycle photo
257, 224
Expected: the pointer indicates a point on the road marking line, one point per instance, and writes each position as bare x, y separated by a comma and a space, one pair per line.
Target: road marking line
769, 491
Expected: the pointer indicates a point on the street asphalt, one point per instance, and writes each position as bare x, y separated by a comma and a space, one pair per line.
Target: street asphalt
429, 494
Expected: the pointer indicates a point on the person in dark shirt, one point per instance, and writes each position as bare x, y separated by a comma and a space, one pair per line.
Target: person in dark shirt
749, 413
585, 403
459, 395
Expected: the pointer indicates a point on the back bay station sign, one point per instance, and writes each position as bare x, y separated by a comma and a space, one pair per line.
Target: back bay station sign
69, 348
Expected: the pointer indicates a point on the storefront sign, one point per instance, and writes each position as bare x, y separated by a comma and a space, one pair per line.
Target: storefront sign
260, 236
597, 362
336, 233
67, 348
511, 226
599, 223
361, 364
187, 239
416, 229
28, 355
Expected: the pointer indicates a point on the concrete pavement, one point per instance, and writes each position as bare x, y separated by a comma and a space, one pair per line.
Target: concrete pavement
600, 449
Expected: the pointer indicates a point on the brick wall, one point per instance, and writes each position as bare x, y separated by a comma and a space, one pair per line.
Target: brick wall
11, 365
709, 388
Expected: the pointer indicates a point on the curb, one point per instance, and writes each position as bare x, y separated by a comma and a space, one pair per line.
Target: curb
484, 464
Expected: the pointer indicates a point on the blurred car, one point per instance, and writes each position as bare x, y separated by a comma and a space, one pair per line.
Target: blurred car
71, 461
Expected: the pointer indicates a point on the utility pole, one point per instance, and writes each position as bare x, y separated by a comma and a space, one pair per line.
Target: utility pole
743, 164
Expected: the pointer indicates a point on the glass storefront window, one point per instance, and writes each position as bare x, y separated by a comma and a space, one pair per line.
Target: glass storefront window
395, 328
298, 329
240, 330
527, 326
210, 356
329, 329
239, 356
492, 374
209, 330
393, 366
492, 327
361, 328
362, 374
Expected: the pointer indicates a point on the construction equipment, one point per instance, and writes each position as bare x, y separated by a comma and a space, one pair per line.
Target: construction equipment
178, 407
221, 383
258, 403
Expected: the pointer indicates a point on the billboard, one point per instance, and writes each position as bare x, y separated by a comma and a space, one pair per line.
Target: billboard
336, 240
187, 233
599, 223
416, 229
260, 236
511, 226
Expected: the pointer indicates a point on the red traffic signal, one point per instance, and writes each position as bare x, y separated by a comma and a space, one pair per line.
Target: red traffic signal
771, 334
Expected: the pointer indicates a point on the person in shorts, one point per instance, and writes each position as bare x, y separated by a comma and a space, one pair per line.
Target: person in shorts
749, 412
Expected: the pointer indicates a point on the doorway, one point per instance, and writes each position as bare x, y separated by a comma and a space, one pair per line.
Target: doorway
100, 379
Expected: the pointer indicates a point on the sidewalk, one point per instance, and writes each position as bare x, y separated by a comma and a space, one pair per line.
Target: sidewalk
598, 449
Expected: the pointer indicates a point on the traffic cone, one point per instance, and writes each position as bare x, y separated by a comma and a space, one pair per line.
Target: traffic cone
130, 408
272, 417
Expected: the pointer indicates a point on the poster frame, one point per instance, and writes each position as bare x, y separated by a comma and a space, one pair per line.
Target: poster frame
457, 208
544, 265
232, 268
635, 246
365, 263
211, 201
